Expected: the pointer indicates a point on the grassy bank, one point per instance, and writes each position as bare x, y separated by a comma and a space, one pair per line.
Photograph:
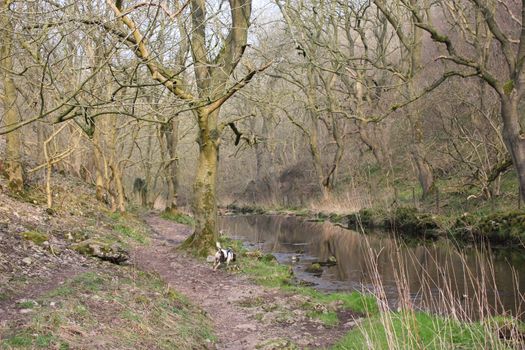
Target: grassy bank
121, 309
379, 327
64, 282
456, 210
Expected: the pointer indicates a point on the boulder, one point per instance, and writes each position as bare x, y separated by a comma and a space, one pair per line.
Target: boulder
314, 268
104, 251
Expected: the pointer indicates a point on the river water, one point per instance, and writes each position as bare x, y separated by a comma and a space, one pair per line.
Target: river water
468, 282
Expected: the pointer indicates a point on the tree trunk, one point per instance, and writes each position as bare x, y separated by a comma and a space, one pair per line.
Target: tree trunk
120, 197
424, 171
12, 163
202, 241
172, 137
99, 164
514, 139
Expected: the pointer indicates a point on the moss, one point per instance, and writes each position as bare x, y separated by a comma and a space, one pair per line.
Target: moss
410, 221
508, 87
314, 268
36, 237
367, 217
501, 228
113, 253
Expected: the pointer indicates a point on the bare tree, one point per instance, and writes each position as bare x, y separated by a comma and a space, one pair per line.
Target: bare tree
13, 161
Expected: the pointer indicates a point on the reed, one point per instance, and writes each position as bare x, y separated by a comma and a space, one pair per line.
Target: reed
437, 316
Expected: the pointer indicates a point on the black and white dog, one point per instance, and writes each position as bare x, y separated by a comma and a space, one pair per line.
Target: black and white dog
223, 255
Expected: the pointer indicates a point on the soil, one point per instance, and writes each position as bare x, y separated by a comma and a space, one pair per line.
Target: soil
245, 315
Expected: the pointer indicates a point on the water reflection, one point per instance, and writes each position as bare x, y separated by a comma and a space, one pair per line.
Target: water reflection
468, 282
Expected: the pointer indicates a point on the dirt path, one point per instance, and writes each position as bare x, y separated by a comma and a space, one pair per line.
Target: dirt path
245, 315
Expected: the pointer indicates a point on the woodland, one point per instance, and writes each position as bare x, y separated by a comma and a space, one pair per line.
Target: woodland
403, 115
313, 104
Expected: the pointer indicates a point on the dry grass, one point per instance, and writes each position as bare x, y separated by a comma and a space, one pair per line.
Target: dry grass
438, 318
343, 203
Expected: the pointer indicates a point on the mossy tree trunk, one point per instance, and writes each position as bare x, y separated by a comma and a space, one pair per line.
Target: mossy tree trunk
170, 133
205, 187
12, 164
212, 74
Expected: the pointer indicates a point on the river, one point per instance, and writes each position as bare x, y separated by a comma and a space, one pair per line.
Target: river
469, 282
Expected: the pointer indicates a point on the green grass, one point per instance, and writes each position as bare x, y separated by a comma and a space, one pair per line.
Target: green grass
329, 318
271, 274
132, 233
122, 308
179, 218
26, 305
418, 331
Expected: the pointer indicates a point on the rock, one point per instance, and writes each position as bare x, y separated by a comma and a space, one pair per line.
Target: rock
210, 258
314, 268
25, 311
112, 253
27, 261
321, 308
335, 305
350, 324
247, 327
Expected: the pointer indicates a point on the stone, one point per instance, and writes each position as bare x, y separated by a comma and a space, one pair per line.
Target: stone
314, 268
335, 305
112, 253
246, 327
349, 324
27, 261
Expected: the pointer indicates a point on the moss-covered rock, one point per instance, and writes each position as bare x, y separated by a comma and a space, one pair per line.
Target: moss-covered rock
112, 253
411, 221
367, 217
36, 237
502, 228
314, 268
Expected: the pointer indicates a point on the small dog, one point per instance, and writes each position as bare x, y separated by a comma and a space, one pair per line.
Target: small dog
223, 255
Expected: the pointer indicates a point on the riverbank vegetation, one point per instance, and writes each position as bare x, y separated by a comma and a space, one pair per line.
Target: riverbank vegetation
376, 325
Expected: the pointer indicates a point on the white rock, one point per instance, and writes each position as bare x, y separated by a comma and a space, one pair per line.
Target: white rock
27, 261
247, 327
350, 324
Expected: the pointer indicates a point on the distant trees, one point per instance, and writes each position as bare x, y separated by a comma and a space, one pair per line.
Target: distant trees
13, 155
490, 32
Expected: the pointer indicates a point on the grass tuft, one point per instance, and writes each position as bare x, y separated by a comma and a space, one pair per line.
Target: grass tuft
179, 218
